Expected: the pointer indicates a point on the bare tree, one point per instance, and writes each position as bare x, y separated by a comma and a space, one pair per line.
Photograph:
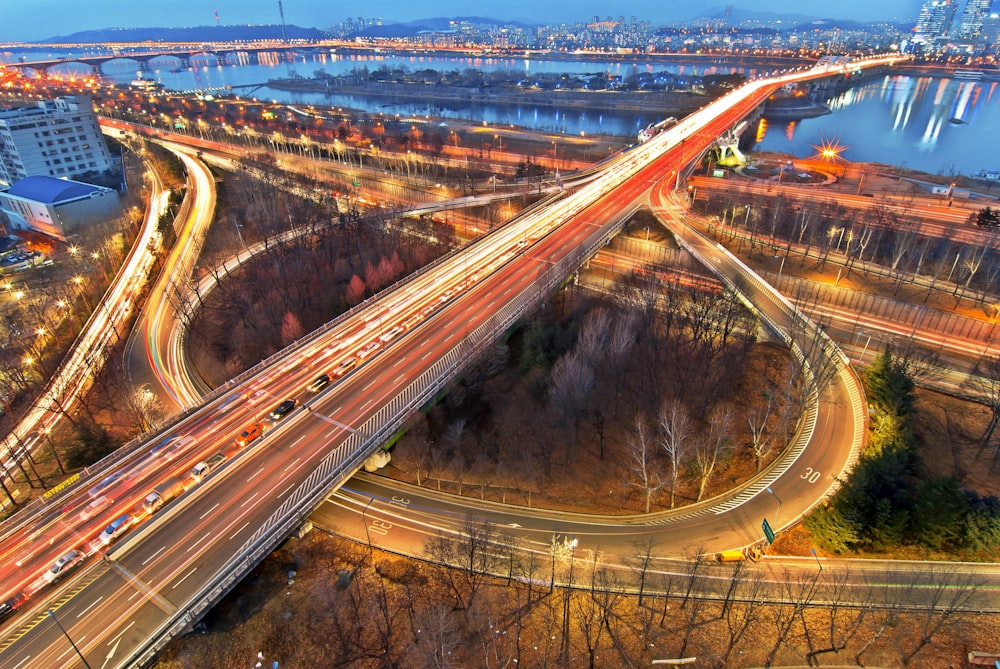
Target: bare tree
740, 619
948, 594
642, 561
641, 461
472, 555
675, 432
712, 446
571, 382
842, 622
758, 420
438, 636
592, 342
796, 595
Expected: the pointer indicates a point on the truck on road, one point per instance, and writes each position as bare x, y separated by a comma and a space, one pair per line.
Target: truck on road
163, 493
206, 467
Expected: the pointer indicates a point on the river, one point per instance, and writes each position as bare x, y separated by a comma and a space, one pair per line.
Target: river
935, 125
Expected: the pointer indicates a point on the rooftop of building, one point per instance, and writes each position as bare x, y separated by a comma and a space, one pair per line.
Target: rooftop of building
51, 190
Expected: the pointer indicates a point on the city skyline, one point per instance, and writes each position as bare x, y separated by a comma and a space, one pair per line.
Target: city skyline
44, 19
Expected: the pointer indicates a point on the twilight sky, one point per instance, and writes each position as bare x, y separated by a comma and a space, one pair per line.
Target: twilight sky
30, 20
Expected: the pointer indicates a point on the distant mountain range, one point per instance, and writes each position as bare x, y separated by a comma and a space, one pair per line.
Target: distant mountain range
740, 18
192, 34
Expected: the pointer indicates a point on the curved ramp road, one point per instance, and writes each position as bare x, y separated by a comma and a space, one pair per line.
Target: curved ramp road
172, 565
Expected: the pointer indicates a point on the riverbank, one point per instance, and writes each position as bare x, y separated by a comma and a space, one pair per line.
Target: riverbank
672, 103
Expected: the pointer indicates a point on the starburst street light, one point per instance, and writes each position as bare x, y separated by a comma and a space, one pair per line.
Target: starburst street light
830, 150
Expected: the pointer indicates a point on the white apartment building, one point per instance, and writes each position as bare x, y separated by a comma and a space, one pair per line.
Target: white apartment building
57, 138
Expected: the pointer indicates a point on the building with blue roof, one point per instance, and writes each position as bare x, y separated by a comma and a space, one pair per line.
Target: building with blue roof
57, 207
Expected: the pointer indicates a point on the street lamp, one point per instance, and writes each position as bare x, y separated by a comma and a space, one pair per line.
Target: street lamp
63, 630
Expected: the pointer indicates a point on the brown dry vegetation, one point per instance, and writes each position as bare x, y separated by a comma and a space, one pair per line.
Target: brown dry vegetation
551, 418
295, 286
349, 607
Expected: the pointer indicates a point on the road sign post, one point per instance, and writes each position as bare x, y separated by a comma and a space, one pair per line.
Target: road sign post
768, 532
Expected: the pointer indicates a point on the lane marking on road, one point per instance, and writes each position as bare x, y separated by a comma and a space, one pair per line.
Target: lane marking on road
451, 335
426, 355
399, 378
119, 635
285, 491
202, 516
296, 442
132, 596
248, 500
242, 527
22, 662
292, 464
368, 385
366, 405
186, 576
192, 546
399, 362
92, 605
254, 475
150, 558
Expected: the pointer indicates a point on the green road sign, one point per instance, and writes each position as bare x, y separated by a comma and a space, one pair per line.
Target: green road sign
768, 532
356, 183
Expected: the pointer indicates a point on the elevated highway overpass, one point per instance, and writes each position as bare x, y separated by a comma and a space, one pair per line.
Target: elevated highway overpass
175, 565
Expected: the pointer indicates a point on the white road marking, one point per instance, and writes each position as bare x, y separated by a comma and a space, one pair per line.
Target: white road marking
254, 475
242, 527
92, 605
150, 558
192, 546
185, 578
202, 516
248, 500
296, 442
293, 463
22, 662
284, 492
119, 635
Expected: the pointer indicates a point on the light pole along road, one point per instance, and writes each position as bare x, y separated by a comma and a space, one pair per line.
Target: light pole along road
166, 573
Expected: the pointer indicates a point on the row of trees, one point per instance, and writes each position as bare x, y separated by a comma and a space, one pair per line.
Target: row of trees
890, 499
877, 238
665, 387
295, 285
562, 606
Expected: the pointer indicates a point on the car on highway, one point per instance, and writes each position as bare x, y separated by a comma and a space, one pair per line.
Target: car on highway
95, 507
345, 367
169, 447
319, 383
11, 604
61, 566
392, 334
283, 409
117, 527
105, 483
254, 431
368, 349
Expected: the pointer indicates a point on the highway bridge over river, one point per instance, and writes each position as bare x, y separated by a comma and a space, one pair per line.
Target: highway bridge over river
389, 357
